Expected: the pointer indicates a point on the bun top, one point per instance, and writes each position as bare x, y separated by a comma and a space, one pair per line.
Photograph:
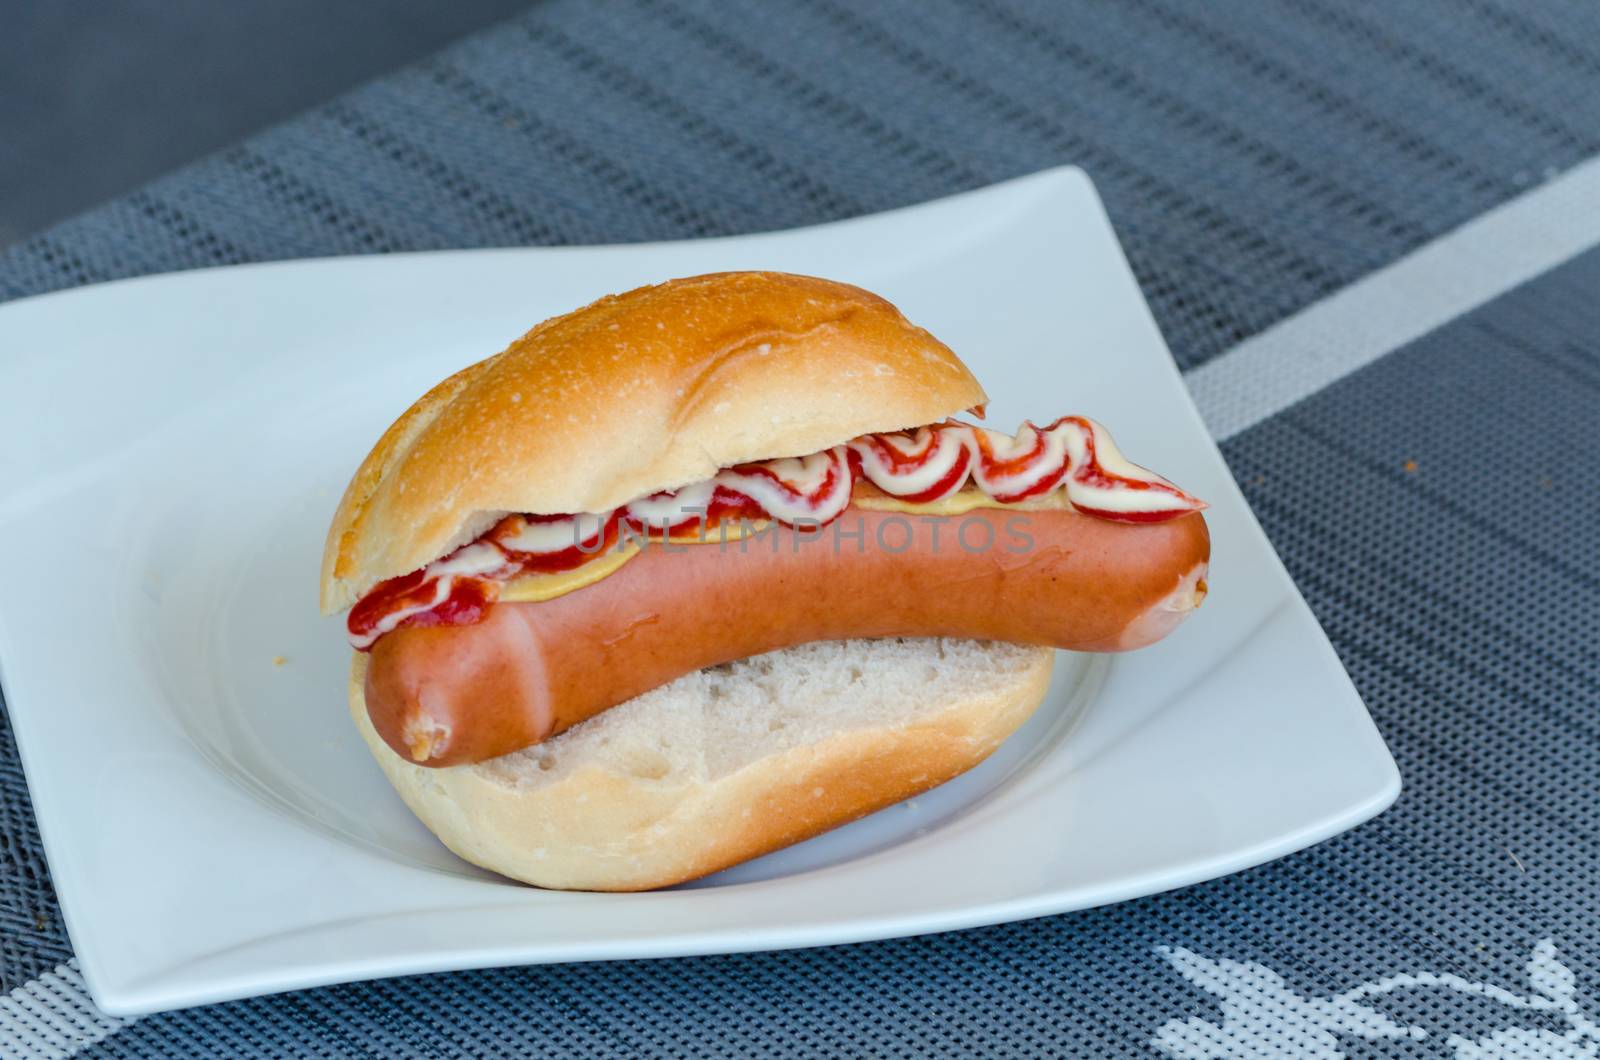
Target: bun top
637, 393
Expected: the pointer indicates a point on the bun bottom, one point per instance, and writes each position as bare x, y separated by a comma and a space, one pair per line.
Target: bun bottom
725, 764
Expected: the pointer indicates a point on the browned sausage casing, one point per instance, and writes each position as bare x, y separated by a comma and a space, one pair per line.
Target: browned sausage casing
450, 695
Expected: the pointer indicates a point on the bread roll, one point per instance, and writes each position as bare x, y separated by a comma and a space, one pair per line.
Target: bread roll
727, 763
636, 393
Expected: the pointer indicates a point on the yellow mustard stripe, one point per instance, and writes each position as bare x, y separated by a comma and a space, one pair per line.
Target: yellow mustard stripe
533, 588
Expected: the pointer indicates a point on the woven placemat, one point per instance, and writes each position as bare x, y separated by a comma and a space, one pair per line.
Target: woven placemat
1254, 158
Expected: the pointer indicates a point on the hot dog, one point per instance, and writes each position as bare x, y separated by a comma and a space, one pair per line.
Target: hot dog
691, 475
449, 694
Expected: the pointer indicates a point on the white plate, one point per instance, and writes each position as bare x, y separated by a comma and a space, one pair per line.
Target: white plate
171, 449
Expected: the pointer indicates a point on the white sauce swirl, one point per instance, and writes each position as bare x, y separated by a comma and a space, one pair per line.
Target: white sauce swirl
930, 464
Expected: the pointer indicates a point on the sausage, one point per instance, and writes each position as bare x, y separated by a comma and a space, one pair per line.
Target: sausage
449, 695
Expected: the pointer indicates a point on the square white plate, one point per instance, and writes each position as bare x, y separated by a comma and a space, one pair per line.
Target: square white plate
171, 450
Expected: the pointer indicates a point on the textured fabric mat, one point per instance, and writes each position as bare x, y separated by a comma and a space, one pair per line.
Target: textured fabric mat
1254, 158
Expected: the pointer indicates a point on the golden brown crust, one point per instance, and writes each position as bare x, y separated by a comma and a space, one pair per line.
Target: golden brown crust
638, 392
598, 829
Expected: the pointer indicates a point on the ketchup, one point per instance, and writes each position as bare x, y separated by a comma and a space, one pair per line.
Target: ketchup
913, 467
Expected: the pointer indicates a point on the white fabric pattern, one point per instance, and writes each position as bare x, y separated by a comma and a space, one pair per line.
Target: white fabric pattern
52, 1017
1262, 1016
1459, 271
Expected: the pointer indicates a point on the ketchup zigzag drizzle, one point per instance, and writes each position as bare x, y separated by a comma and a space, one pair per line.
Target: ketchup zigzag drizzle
914, 467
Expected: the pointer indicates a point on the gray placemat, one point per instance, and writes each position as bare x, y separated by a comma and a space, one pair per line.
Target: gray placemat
1255, 158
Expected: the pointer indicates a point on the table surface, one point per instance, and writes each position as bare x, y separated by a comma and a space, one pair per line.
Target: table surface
1368, 232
